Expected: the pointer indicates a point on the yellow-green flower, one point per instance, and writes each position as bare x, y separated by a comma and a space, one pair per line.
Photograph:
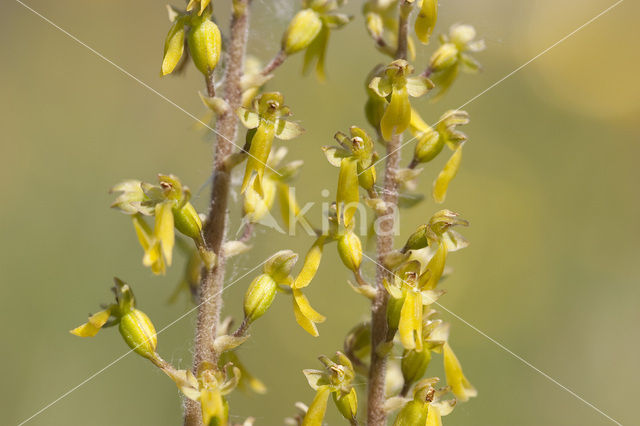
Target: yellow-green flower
336, 379
355, 157
396, 86
413, 287
135, 327
263, 288
268, 118
427, 406
309, 29
169, 203
454, 55
209, 388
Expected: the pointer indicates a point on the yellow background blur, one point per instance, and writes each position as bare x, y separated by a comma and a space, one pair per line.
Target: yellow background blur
549, 182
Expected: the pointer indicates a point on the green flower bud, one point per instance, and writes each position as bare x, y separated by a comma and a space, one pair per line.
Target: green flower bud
417, 240
303, 29
138, 332
187, 221
443, 58
412, 414
358, 341
350, 251
347, 404
280, 264
414, 364
204, 43
259, 297
394, 308
428, 147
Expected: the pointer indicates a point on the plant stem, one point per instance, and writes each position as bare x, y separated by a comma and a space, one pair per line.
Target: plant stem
376, 416
275, 63
211, 284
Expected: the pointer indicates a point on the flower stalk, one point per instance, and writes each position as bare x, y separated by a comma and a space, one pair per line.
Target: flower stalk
215, 228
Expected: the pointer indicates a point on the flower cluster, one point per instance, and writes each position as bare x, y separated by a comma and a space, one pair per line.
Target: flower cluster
407, 285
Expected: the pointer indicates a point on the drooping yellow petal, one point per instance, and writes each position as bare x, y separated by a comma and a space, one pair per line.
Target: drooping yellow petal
290, 209
410, 326
397, 115
258, 153
347, 196
93, 325
142, 231
311, 264
152, 255
305, 315
315, 413
305, 307
316, 52
426, 20
460, 386
446, 176
433, 416
163, 230
213, 410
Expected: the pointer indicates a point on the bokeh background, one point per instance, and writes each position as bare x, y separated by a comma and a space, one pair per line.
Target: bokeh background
549, 182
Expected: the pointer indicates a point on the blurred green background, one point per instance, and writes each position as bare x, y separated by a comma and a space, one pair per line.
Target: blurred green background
549, 182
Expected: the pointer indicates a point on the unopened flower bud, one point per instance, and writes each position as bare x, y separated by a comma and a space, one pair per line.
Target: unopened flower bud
280, 264
138, 332
444, 57
347, 404
461, 35
187, 221
259, 297
414, 364
358, 341
375, 25
204, 44
350, 250
302, 30
428, 147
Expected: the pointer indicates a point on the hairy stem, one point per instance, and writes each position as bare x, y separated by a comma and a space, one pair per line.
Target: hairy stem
376, 415
211, 284
384, 245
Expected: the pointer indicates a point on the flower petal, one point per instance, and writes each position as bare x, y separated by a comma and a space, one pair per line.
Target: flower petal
460, 386
446, 175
